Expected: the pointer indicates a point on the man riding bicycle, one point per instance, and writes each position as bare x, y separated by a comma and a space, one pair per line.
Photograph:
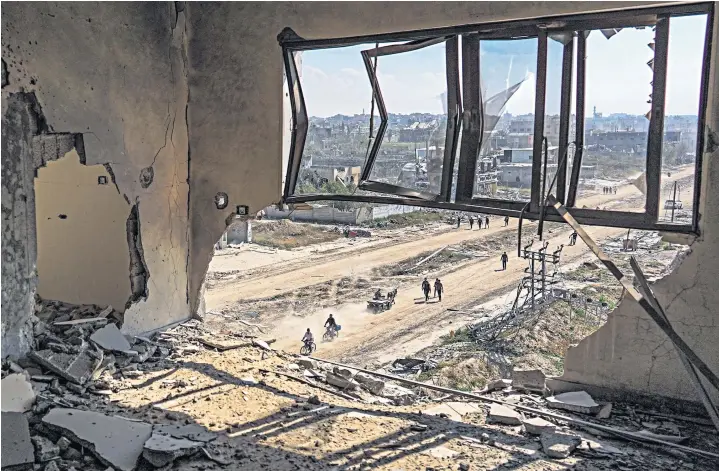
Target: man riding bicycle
308, 338
331, 325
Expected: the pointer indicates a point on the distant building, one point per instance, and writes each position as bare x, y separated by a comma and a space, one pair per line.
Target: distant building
525, 155
519, 140
634, 141
522, 125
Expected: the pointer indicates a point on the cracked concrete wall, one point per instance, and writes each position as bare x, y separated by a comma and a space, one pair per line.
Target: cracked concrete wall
82, 252
236, 111
115, 72
630, 353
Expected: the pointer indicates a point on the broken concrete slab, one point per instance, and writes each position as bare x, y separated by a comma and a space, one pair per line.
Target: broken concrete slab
529, 380
559, 444
577, 401
17, 449
76, 368
110, 338
443, 410
191, 432
341, 382
497, 384
504, 415
464, 408
399, 395
17, 393
45, 450
307, 363
375, 386
161, 450
537, 425
115, 441
223, 344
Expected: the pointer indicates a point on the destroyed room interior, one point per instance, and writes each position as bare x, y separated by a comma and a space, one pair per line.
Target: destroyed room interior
360, 236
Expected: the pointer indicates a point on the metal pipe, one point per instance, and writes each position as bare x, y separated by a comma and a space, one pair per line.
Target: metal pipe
620, 433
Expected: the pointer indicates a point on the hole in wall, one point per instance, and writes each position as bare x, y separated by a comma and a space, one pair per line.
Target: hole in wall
62, 216
147, 174
221, 200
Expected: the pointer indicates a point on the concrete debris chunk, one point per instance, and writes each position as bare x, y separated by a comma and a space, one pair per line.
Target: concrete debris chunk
161, 450
191, 431
537, 425
529, 380
504, 415
374, 386
346, 373
74, 367
444, 411
52, 466
45, 450
17, 393
307, 363
63, 443
497, 384
577, 401
341, 382
110, 338
558, 444
399, 395
17, 449
115, 441
605, 411
105, 312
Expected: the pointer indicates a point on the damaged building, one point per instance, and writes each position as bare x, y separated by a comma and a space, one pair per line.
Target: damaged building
135, 134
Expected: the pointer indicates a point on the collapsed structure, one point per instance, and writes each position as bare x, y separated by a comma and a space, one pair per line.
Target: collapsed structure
132, 134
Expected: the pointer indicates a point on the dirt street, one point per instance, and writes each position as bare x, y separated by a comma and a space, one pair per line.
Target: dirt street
411, 324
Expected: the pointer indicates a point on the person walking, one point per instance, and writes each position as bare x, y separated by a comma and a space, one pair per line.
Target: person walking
504, 259
471, 222
438, 288
486, 222
426, 289
573, 238
506, 221
459, 220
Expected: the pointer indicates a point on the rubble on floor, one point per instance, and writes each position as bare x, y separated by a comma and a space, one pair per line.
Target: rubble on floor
109, 405
576, 401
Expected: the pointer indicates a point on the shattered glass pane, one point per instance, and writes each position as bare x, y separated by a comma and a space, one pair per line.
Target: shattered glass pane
508, 82
618, 95
338, 98
414, 89
681, 110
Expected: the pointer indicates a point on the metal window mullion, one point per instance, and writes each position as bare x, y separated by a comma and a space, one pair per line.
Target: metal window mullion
579, 125
454, 113
377, 94
472, 121
565, 111
539, 105
299, 123
656, 122
702, 117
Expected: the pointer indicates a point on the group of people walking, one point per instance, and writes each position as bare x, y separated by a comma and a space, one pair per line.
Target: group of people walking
438, 289
610, 190
480, 220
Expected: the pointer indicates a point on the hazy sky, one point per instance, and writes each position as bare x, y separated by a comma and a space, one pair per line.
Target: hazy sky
618, 78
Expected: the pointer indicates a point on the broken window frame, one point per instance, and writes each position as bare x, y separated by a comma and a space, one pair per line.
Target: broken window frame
454, 111
540, 28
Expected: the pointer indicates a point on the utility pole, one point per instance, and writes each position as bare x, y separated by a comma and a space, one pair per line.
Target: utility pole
674, 199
